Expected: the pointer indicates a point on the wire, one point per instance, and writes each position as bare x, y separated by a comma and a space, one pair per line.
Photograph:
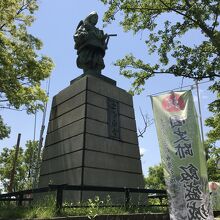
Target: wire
192, 87
182, 83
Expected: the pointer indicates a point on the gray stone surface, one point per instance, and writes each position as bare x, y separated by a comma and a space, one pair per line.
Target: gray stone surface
111, 146
97, 113
66, 132
126, 110
70, 91
68, 105
108, 90
101, 101
96, 99
71, 177
69, 145
94, 176
96, 127
62, 163
108, 161
67, 118
129, 136
128, 123
79, 149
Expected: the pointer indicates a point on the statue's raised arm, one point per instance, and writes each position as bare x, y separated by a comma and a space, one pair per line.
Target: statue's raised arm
90, 43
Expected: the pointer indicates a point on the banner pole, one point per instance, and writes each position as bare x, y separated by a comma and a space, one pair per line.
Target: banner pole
12, 177
200, 112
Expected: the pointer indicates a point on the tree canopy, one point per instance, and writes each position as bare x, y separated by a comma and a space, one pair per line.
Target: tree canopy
165, 37
22, 67
155, 178
214, 121
213, 136
167, 24
25, 166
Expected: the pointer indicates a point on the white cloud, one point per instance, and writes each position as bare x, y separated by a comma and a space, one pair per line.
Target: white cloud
142, 151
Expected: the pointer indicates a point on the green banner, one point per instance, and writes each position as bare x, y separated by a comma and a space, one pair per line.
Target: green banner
182, 155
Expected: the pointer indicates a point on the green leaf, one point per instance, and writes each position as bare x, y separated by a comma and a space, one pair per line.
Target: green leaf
21, 67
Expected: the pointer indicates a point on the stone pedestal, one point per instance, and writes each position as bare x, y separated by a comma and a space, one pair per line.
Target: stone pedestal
91, 138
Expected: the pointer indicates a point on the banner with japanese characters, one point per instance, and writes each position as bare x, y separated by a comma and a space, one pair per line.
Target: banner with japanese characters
182, 156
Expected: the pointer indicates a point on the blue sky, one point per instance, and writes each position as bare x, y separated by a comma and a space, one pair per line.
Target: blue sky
55, 25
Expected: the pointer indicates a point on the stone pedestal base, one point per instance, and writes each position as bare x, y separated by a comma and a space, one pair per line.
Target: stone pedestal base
92, 139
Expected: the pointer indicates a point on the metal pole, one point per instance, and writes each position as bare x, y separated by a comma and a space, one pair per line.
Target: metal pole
127, 199
11, 184
35, 124
200, 113
59, 199
40, 145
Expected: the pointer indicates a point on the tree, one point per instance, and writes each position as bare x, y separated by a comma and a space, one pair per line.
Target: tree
213, 136
213, 171
22, 68
4, 129
155, 178
214, 121
165, 37
30, 161
6, 162
25, 166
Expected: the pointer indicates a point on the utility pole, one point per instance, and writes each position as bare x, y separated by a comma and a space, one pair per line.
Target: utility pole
11, 184
37, 168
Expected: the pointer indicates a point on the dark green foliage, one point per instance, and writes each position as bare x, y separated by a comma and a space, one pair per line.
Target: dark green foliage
25, 166
213, 136
155, 178
4, 129
165, 37
21, 67
214, 121
167, 24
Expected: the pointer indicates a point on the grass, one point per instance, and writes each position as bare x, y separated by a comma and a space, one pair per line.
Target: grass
43, 209
47, 209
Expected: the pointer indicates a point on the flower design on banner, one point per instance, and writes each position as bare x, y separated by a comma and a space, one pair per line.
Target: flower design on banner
173, 103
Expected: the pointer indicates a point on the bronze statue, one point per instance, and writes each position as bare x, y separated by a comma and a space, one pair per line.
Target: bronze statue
90, 43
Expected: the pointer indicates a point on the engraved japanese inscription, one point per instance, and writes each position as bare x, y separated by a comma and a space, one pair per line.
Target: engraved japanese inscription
113, 119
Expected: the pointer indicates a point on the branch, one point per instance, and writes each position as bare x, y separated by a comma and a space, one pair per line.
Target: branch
208, 31
144, 8
151, 9
215, 23
166, 72
21, 9
10, 108
178, 12
192, 77
19, 19
188, 3
216, 19
196, 21
147, 122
